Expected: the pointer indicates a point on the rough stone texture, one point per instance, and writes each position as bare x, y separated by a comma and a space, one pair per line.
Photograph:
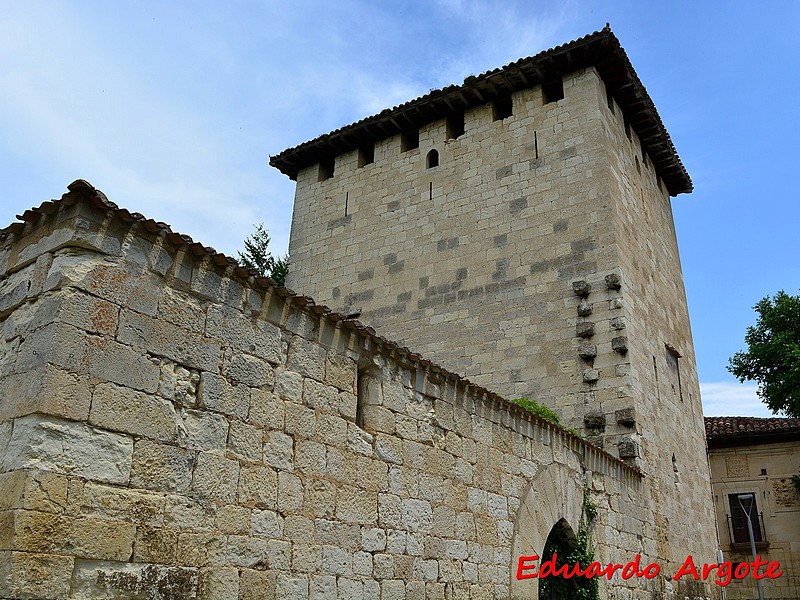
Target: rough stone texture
226, 441
580, 213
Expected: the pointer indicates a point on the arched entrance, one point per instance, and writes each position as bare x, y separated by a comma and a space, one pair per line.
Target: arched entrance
553, 501
561, 541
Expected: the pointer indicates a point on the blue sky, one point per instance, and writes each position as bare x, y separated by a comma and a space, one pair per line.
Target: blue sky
173, 108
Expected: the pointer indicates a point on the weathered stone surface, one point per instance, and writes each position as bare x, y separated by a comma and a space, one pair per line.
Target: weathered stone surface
279, 450
584, 330
587, 351
255, 337
161, 467
340, 371
122, 409
30, 575
625, 416
47, 390
613, 281
620, 344
249, 370
200, 430
306, 358
258, 487
100, 580
584, 308
215, 478
66, 447
594, 420
590, 375
581, 288
627, 447
266, 409
217, 394
165, 339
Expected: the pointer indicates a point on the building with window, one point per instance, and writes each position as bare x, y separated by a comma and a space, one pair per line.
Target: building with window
752, 463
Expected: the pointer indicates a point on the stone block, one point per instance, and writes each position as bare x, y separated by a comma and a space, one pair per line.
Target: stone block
357, 506
161, 338
245, 442
279, 450
289, 385
290, 493
266, 409
254, 336
584, 330
101, 580
30, 575
587, 351
215, 478
292, 586
249, 370
590, 375
47, 390
625, 416
306, 358
620, 344
594, 419
122, 409
155, 546
584, 308
201, 430
120, 504
258, 487
628, 447
340, 371
300, 420
320, 498
581, 288
69, 448
182, 309
266, 524
257, 585
161, 467
613, 281
215, 393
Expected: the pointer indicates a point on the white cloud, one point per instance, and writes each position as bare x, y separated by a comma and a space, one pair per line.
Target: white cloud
732, 399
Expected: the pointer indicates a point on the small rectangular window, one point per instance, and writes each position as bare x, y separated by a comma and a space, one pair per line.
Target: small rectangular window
740, 507
553, 91
455, 126
325, 169
409, 140
366, 155
502, 108
610, 100
627, 128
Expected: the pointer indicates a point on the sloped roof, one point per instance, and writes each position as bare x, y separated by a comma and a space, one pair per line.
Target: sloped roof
81, 190
730, 431
601, 50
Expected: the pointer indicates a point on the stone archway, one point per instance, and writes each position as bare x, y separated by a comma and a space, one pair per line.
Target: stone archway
554, 495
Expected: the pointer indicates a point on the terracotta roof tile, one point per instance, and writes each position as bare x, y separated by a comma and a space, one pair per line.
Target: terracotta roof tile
721, 427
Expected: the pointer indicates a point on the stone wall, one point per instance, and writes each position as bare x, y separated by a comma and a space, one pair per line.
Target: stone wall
171, 427
540, 259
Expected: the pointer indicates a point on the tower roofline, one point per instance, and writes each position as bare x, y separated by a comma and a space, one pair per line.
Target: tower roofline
601, 50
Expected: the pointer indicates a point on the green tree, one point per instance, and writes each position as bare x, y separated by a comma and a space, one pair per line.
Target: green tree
258, 258
773, 353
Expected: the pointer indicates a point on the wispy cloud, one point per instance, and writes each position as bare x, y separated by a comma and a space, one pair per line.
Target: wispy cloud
732, 399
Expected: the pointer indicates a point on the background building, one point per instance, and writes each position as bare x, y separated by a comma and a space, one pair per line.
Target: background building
750, 455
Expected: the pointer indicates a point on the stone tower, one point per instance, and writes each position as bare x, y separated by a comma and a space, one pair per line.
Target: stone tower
517, 229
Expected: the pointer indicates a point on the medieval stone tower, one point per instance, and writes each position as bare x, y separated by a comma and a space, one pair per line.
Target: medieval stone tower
517, 229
